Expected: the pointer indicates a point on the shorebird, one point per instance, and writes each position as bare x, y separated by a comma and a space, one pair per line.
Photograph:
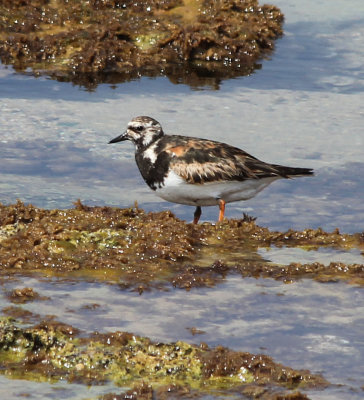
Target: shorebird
199, 172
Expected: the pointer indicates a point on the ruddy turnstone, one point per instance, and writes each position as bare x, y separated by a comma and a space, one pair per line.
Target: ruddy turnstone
198, 172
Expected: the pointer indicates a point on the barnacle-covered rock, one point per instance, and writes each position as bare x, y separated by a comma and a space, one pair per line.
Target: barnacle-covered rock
53, 351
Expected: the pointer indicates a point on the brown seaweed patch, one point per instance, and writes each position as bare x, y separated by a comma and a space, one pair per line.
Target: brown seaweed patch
351, 273
52, 349
193, 276
23, 295
194, 331
193, 41
244, 230
140, 251
92, 238
190, 276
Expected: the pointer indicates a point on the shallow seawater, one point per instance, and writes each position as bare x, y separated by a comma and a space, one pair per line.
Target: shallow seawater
287, 255
17, 389
304, 324
303, 108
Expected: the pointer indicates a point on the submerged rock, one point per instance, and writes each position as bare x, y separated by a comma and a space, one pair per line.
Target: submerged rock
24, 295
197, 42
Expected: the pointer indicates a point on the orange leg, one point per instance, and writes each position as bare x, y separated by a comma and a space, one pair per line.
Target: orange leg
222, 209
197, 215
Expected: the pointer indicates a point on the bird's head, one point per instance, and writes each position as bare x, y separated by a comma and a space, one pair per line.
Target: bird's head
142, 131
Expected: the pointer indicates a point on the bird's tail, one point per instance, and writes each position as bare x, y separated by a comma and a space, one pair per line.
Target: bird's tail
289, 172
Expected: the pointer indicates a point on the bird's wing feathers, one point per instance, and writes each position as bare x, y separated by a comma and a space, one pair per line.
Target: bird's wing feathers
200, 160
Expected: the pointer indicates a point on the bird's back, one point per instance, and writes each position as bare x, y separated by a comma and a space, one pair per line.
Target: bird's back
201, 160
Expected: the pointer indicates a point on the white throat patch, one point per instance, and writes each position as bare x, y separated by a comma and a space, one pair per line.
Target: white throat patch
150, 154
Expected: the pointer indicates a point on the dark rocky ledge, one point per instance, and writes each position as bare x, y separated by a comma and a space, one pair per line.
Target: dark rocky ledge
141, 251
198, 42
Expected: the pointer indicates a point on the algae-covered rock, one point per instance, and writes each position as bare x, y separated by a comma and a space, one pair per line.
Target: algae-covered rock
141, 250
192, 41
24, 295
51, 351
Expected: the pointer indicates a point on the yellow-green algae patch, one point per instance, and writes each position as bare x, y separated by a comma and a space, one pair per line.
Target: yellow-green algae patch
9, 230
51, 351
87, 42
141, 250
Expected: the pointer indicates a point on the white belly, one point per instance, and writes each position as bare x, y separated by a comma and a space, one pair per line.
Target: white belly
176, 190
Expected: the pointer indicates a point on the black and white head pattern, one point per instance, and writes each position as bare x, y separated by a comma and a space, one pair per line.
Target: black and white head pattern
143, 131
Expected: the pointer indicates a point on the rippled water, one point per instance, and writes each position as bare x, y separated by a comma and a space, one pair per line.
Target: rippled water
304, 324
303, 108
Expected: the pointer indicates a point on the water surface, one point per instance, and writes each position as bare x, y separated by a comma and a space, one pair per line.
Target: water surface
303, 108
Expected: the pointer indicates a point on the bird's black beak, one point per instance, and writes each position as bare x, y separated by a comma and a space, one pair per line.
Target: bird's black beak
119, 138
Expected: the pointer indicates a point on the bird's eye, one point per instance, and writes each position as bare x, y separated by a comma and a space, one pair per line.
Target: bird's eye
139, 128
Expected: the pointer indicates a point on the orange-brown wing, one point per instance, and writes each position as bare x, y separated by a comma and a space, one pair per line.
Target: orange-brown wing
200, 160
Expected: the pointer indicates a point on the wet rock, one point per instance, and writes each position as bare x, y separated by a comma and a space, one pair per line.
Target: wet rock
139, 250
24, 295
195, 331
55, 349
191, 41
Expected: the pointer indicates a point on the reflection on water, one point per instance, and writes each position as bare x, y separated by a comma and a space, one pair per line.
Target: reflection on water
12, 389
285, 256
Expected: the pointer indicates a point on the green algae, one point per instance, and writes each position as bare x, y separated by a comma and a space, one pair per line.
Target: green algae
52, 351
198, 42
140, 250
69, 240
